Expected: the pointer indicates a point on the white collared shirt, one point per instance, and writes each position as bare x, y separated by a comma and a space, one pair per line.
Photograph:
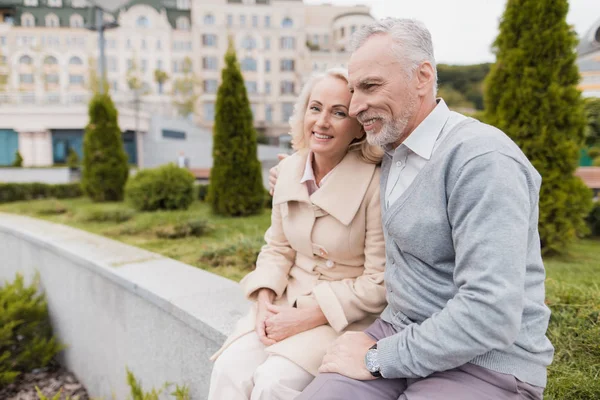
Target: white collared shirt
309, 175
411, 156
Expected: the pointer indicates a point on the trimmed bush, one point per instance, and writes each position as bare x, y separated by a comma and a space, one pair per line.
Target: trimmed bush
531, 94
236, 187
105, 168
163, 188
10, 192
195, 227
593, 220
26, 340
117, 216
202, 192
18, 160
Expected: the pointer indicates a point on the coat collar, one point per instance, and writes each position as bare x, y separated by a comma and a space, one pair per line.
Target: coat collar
340, 195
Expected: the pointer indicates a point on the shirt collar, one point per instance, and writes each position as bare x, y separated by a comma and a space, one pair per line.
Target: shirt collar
422, 140
309, 174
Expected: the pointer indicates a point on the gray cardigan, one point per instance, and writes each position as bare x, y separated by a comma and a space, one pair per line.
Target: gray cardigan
464, 273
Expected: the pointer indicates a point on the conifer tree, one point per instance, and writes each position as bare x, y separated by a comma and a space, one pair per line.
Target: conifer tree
236, 187
105, 167
531, 94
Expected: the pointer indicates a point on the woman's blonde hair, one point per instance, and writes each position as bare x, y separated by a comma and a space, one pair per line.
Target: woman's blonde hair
369, 153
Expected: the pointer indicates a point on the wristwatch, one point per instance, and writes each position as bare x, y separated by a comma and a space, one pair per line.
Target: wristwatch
371, 361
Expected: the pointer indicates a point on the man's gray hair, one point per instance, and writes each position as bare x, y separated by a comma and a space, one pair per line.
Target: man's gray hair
412, 41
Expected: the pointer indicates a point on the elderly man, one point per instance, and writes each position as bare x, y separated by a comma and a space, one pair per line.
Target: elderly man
465, 280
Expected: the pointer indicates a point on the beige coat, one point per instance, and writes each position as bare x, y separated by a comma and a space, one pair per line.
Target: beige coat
326, 249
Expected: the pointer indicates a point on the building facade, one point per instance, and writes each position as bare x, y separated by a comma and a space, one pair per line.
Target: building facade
48, 57
589, 61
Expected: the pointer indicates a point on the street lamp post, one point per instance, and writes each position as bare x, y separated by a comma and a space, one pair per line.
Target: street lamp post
100, 25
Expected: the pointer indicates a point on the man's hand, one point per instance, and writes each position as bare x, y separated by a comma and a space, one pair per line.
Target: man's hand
289, 321
274, 173
346, 356
264, 300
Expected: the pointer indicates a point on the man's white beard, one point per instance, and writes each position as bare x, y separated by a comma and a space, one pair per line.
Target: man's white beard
392, 130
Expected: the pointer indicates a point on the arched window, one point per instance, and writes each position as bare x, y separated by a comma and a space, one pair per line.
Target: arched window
50, 60
287, 23
54, 3
142, 22
27, 20
248, 64
598, 35
183, 23
249, 43
209, 19
52, 21
25, 60
75, 61
76, 21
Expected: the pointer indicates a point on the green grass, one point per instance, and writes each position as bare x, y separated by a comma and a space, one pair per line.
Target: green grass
573, 282
141, 230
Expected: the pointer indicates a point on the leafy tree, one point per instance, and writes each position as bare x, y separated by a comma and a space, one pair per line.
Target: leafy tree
105, 168
465, 79
236, 187
532, 95
72, 159
592, 131
160, 77
18, 159
184, 90
454, 98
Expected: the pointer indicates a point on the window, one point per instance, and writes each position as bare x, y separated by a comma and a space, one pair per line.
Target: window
209, 19
255, 21
287, 87
251, 87
2, 40
288, 42
129, 64
267, 87
248, 64
287, 65
209, 40
52, 78
210, 86
79, 3
143, 44
229, 19
597, 36
209, 112
114, 86
183, 4
267, 43
75, 61
183, 24
169, 134
342, 32
267, 21
52, 21
26, 78
76, 79
50, 60
177, 66
144, 65
268, 113
112, 64
315, 40
286, 111
50, 41
128, 43
26, 60
158, 45
159, 65
352, 29
267, 65
287, 23
31, 3
209, 63
326, 40
242, 20
27, 20
54, 3
142, 22
76, 21
249, 43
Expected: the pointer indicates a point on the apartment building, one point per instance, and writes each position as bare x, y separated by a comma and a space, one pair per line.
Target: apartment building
49, 57
589, 61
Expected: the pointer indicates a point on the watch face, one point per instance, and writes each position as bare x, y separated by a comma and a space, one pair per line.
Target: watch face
371, 361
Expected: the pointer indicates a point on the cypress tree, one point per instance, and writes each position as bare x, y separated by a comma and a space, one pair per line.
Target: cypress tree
105, 167
531, 94
236, 187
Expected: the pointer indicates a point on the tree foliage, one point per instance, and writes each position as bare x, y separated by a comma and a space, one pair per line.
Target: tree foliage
236, 187
532, 95
184, 90
105, 167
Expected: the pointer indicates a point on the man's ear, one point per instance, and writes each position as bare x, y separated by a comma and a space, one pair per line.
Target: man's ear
425, 78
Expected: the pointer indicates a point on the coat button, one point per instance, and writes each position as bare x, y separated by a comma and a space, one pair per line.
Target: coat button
323, 253
329, 263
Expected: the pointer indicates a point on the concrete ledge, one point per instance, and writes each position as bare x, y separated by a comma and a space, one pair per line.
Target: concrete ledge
30, 175
116, 305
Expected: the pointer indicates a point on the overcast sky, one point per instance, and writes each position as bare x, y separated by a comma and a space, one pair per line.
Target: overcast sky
463, 30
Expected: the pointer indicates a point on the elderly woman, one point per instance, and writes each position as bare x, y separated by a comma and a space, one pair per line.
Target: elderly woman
321, 270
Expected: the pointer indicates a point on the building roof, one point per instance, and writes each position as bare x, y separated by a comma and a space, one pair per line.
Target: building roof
590, 176
590, 41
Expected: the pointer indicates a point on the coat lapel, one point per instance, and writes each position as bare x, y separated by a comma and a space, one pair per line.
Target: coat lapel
340, 196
